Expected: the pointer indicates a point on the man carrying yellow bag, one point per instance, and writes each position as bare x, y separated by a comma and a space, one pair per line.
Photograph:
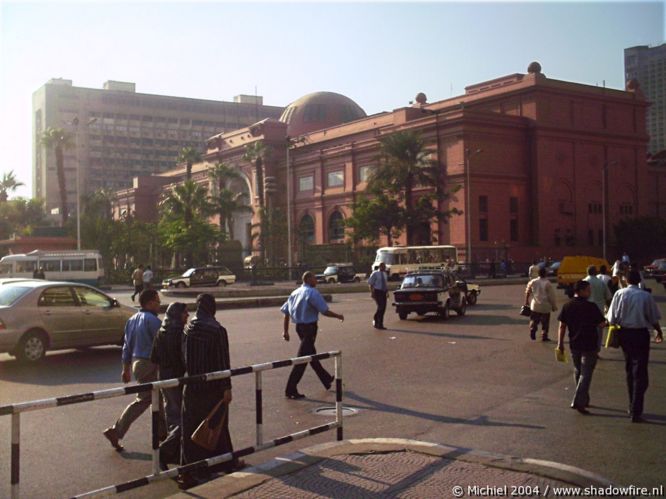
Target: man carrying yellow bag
583, 319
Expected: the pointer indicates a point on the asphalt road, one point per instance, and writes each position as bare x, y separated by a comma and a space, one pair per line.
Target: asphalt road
474, 382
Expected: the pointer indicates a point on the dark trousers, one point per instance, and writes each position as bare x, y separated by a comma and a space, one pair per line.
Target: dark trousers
308, 334
137, 290
380, 300
537, 318
584, 363
635, 344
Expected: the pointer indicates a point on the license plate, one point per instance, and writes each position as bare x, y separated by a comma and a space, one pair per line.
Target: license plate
416, 297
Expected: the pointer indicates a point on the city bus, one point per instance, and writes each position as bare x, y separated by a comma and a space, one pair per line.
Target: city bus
402, 259
83, 266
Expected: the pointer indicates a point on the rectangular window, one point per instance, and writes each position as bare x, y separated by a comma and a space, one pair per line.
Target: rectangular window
483, 229
483, 204
513, 205
306, 183
336, 178
364, 173
513, 228
72, 265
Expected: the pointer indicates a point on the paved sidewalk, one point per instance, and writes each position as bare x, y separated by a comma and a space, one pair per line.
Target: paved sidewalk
396, 468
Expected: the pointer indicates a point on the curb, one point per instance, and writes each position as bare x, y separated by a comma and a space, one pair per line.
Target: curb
273, 301
254, 476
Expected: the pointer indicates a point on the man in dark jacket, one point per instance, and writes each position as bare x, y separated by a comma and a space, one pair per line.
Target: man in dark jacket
584, 320
168, 355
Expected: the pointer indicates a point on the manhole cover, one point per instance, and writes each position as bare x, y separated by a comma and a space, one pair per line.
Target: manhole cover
330, 411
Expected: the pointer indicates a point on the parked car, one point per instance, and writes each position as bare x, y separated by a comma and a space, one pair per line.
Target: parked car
430, 291
471, 290
36, 316
201, 276
339, 272
659, 272
553, 268
12, 280
656, 266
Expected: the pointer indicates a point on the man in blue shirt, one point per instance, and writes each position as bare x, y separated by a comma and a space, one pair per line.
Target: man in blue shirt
140, 332
635, 311
379, 291
303, 308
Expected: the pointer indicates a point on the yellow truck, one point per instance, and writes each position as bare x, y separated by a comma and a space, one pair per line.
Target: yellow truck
574, 268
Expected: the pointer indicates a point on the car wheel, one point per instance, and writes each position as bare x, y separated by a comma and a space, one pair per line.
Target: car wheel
222, 283
180, 285
330, 281
356, 279
403, 315
445, 312
471, 299
32, 347
463, 307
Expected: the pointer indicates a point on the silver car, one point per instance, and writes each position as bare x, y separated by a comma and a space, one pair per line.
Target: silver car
36, 316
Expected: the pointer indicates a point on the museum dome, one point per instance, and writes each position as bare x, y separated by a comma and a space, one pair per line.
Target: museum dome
319, 110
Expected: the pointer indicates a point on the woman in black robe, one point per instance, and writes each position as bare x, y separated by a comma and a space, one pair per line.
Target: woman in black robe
206, 349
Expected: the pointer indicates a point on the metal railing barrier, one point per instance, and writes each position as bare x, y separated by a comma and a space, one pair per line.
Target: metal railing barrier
15, 411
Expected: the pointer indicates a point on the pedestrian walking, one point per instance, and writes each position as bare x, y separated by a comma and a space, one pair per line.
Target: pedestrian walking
38, 273
147, 278
604, 277
584, 320
140, 332
378, 284
303, 308
533, 271
206, 349
137, 280
167, 354
599, 294
540, 297
635, 311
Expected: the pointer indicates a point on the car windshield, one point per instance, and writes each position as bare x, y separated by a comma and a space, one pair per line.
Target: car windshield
9, 294
331, 270
188, 273
422, 281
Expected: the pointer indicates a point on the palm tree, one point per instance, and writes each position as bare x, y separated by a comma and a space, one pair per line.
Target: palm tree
405, 164
8, 184
227, 202
254, 153
59, 140
189, 156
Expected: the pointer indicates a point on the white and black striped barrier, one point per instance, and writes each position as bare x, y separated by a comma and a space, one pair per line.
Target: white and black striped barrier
15, 411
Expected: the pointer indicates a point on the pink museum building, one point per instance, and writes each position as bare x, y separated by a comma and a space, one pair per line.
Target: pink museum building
527, 151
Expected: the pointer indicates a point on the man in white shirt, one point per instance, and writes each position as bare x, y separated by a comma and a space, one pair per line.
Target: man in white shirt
533, 271
635, 311
147, 277
600, 295
543, 302
379, 291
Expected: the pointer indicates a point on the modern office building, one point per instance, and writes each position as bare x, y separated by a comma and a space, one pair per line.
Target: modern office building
120, 134
529, 155
647, 65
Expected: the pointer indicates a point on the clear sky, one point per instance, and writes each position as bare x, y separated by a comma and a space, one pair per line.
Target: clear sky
380, 54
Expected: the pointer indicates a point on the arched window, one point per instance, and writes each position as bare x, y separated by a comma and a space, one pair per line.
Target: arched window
336, 226
306, 229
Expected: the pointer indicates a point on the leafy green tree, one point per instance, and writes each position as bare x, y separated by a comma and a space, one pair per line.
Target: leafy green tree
189, 156
225, 202
8, 184
98, 228
643, 238
20, 216
59, 140
184, 226
374, 216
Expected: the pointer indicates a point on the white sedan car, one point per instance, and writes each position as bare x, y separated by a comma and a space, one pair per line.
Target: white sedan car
36, 316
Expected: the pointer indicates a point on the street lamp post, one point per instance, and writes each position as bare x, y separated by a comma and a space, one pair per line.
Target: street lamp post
468, 184
289, 261
604, 173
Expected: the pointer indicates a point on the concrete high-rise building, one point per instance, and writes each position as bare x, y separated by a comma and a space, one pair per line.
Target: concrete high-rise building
647, 65
120, 134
